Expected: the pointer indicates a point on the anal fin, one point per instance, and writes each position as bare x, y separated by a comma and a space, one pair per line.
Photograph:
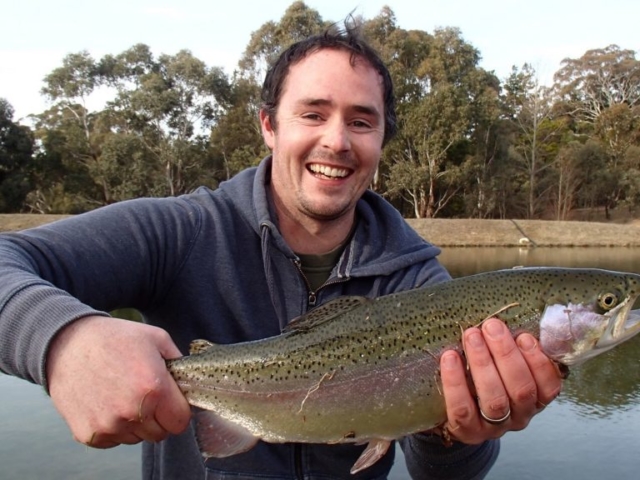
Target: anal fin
375, 450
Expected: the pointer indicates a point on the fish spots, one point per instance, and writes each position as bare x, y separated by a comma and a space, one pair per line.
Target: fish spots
374, 354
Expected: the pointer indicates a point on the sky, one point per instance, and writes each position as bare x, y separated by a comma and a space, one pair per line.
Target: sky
36, 35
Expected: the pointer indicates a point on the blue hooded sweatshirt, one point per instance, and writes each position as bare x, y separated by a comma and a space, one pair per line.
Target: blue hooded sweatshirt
213, 265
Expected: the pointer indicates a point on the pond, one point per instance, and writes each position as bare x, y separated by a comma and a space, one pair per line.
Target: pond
589, 432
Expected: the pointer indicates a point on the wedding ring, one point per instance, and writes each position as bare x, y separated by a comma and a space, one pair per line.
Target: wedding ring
494, 421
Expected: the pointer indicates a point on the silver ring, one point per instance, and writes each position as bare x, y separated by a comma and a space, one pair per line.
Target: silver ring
494, 421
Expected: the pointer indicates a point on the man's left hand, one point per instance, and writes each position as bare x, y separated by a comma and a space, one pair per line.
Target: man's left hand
513, 381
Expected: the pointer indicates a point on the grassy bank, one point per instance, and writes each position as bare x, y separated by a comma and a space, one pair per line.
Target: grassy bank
467, 232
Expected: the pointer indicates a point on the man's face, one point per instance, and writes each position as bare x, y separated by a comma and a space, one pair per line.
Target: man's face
328, 138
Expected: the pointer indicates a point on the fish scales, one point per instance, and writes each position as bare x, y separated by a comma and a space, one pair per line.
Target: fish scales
358, 370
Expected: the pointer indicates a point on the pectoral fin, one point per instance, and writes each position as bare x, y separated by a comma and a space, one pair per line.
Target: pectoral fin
375, 450
220, 438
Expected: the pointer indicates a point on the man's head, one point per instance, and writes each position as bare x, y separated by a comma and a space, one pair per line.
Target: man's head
348, 41
328, 111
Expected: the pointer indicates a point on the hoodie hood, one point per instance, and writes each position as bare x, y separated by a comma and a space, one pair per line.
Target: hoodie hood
383, 242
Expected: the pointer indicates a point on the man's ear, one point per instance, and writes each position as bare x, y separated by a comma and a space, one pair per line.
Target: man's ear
268, 132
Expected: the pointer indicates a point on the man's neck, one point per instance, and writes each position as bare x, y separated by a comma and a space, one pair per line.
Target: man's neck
308, 235
315, 237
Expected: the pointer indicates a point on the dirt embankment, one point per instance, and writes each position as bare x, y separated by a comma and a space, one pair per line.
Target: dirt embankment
10, 222
466, 232
522, 233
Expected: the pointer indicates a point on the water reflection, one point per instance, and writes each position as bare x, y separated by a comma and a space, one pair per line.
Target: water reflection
606, 384
467, 261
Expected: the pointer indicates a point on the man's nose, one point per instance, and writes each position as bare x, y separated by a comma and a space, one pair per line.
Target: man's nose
336, 136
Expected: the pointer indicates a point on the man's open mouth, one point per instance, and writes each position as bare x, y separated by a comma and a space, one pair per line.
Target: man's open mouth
328, 172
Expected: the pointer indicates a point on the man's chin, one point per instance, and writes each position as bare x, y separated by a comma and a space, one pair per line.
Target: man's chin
326, 213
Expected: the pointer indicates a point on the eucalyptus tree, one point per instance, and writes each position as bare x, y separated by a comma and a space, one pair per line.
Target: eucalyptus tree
529, 108
265, 45
600, 92
584, 180
169, 103
599, 79
16, 151
71, 85
597, 179
570, 175
486, 147
435, 79
77, 169
68, 151
150, 137
236, 140
77, 142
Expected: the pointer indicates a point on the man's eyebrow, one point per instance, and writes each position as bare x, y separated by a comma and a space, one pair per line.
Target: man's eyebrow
367, 110
364, 109
310, 101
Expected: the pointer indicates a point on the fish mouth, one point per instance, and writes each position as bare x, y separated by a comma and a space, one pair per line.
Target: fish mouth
624, 324
573, 333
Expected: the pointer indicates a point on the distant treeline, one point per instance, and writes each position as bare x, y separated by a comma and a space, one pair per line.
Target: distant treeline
470, 144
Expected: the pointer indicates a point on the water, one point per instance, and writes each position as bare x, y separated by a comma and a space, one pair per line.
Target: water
590, 432
35, 443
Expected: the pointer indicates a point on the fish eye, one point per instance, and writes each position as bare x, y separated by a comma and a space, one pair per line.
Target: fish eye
607, 301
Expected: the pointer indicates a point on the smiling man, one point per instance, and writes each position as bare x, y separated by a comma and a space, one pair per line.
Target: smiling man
237, 264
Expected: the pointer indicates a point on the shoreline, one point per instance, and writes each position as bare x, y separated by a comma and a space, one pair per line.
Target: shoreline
526, 233
445, 232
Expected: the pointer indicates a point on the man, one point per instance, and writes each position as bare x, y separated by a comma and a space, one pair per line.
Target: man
237, 264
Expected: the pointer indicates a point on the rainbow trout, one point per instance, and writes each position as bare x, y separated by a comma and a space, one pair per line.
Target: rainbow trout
366, 370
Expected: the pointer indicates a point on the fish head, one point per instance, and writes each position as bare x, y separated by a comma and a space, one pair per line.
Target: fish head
593, 321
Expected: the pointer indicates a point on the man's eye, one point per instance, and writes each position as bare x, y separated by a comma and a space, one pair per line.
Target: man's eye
360, 124
311, 116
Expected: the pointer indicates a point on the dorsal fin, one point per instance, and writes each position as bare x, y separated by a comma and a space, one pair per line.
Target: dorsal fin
324, 313
199, 346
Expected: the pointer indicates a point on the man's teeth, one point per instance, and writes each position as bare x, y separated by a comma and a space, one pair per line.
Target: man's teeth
329, 171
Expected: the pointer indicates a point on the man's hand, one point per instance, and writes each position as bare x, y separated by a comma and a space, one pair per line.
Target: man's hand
107, 378
513, 380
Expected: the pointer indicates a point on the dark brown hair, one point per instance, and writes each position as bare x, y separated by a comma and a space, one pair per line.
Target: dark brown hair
347, 39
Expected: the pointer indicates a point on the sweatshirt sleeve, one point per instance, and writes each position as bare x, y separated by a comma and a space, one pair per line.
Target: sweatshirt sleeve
123, 255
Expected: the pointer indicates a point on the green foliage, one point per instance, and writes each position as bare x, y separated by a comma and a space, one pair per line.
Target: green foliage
298, 22
16, 151
469, 145
600, 93
437, 76
236, 141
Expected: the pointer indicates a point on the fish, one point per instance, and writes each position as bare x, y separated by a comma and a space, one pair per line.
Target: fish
366, 370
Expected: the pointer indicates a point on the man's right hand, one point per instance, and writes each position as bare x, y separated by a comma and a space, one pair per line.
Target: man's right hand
108, 379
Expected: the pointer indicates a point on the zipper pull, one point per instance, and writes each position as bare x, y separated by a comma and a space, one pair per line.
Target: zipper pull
313, 298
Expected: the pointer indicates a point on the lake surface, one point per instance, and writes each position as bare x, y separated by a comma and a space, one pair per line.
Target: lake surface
589, 432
